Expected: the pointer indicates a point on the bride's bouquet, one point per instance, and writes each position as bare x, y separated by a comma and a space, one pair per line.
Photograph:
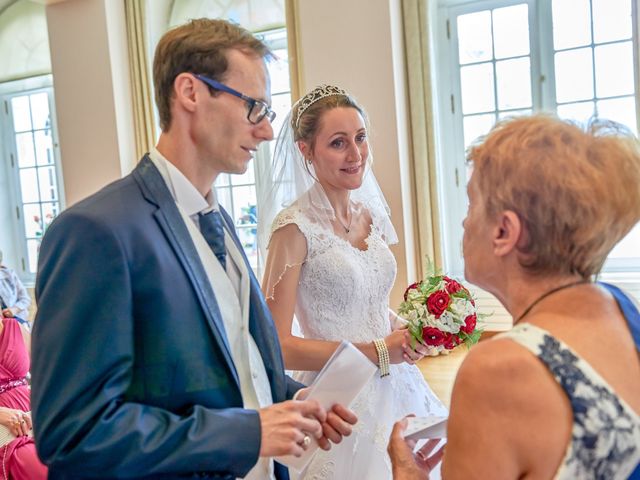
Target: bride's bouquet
440, 313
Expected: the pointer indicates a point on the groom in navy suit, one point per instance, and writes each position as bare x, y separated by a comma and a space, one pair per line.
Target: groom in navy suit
154, 354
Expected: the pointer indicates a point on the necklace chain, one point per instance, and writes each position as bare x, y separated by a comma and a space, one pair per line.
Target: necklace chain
545, 295
347, 227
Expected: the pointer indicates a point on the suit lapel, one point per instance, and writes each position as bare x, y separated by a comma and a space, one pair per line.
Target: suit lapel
155, 190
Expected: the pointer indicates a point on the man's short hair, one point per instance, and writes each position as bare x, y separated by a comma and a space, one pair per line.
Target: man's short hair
199, 46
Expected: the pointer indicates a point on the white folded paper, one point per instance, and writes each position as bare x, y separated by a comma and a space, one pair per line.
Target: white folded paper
431, 426
340, 381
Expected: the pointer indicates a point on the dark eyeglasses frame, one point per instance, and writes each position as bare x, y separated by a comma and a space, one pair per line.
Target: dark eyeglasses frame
264, 109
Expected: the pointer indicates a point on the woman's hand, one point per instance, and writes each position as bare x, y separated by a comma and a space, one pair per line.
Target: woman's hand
399, 346
424, 350
17, 421
408, 465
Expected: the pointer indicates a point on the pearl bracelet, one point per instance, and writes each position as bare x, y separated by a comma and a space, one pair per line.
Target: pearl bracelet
383, 356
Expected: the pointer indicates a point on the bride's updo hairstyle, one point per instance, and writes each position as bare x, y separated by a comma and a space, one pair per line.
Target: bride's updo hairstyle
576, 190
307, 112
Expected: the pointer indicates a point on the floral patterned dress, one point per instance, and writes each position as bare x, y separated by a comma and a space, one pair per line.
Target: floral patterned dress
605, 440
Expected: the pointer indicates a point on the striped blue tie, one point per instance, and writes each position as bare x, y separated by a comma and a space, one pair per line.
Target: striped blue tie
213, 232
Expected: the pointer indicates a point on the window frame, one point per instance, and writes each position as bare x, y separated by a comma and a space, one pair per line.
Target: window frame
451, 158
276, 39
9, 90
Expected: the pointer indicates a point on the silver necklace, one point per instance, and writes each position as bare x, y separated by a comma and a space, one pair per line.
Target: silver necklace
347, 228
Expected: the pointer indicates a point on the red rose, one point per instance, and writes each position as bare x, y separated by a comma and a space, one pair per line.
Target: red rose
469, 324
453, 286
410, 287
433, 336
452, 342
438, 302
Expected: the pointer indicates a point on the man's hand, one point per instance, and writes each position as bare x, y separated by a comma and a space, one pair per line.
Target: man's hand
286, 425
406, 464
338, 425
9, 312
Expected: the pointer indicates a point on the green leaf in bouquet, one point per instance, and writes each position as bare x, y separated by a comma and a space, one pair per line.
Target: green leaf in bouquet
416, 334
430, 269
472, 338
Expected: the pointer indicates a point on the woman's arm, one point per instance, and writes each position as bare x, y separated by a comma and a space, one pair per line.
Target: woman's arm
509, 418
287, 253
23, 299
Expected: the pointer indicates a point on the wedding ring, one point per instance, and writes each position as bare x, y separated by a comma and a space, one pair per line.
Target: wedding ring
306, 441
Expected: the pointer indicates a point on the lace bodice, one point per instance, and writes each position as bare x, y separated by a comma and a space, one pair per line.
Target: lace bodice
343, 293
332, 267
605, 440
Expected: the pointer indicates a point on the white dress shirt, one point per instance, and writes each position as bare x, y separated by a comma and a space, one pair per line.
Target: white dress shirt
232, 295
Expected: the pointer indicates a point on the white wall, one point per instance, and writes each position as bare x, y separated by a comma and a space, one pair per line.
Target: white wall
90, 67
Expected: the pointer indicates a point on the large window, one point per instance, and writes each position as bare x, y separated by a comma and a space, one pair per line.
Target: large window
33, 171
238, 193
507, 57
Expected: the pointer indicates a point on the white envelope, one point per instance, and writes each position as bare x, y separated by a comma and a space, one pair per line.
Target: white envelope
340, 381
431, 426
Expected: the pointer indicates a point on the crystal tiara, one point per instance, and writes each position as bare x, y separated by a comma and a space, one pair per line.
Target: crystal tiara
314, 95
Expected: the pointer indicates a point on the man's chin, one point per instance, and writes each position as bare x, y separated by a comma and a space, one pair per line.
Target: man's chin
240, 168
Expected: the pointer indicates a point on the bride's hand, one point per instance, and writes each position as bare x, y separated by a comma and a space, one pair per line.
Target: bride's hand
424, 350
399, 346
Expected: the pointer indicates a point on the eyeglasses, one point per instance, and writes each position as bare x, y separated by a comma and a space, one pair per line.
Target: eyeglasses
257, 108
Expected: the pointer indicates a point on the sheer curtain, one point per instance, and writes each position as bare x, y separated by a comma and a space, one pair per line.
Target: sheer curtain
144, 122
418, 58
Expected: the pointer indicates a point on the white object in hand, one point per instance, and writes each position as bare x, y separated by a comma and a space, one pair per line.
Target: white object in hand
340, 381
426, 427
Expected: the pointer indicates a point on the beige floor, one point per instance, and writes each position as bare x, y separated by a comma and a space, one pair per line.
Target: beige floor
440, 372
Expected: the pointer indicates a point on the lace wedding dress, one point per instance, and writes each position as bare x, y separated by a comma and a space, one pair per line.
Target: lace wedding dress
343, 293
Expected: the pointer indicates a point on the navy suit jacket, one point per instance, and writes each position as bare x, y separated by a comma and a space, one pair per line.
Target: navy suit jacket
132, 373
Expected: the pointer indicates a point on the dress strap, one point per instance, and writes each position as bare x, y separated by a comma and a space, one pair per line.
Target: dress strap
629, 310
631, 313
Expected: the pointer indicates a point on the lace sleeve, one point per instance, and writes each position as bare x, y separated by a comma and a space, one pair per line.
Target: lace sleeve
287, 249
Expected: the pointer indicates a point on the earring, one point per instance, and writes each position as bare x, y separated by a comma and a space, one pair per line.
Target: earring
309, 161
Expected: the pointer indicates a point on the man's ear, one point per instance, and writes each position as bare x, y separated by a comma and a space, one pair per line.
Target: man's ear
184, 88
508, 233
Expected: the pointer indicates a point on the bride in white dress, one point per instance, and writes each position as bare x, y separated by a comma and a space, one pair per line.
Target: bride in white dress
329, 266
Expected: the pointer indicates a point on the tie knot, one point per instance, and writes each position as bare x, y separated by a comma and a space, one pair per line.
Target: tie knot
212, 230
